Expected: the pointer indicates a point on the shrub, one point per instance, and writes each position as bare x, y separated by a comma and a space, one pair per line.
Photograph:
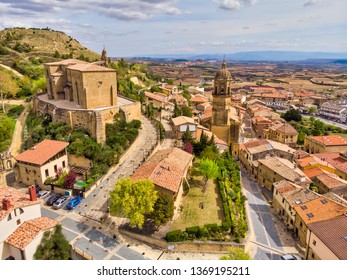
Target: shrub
195, 231
174, 236
212, 227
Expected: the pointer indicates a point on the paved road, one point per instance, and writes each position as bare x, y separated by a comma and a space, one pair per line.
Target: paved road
341, 125
265, 242
95, 205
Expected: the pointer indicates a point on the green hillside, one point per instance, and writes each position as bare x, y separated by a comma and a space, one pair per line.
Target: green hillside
17, 44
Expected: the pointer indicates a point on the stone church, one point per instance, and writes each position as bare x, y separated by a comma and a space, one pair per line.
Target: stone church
225, 122
84, 95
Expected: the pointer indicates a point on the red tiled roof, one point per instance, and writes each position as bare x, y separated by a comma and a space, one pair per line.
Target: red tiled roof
333, 234
90, 67
330, 140
331, 181
334, 159
198, 99
209, 135
207, 114
42, 152
319, 209
165, 169
285, 186
17, 199
28, 231
312, 173
155, 96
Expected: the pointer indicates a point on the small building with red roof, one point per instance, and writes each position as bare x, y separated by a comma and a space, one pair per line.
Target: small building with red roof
43, 160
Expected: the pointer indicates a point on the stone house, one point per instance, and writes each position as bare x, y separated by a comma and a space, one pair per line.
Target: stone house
324, 144
259, 125
181, 124
327, 240
167, 169
272, 170
316, 210
40, 162
283, 133
21, 224
250, 152
286, 196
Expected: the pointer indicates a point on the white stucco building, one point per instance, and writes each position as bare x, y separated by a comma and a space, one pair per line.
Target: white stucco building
21, 224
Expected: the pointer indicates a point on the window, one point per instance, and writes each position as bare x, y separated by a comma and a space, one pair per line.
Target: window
314, 242
9, 217
301, 224
283, 200
18, 222
55, 168
304, 207
324, 201
63, 164
312, 255
310, 215
46, 173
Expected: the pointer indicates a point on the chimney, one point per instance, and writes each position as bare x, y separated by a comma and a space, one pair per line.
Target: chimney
6, 204
32, 193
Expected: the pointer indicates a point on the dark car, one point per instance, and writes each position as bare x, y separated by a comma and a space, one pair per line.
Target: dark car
74, 202
53, 198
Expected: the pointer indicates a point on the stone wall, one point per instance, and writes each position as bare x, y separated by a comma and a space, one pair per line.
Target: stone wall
131, 111
92, 120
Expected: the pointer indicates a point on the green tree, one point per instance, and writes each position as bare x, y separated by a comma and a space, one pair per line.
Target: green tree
186, 111
163, 209
292, 115
133, 199
187, 136
53, 246
236, 254
209, 169
312, 110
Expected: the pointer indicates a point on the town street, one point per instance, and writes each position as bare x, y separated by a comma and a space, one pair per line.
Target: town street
268, 238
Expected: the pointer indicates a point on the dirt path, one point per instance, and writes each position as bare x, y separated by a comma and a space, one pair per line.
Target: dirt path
14, 71
17, 139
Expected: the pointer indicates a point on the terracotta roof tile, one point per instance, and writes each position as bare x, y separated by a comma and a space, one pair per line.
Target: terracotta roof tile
198, 99
301, 196
17, 199
42, 152
182, 120
165, 169
285, 186
319, 209
333, 233
284, 128
28, 231
334, 159
331, 181
330, 140
90, 67
312, 173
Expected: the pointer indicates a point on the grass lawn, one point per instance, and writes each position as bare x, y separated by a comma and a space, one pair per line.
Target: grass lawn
192, 214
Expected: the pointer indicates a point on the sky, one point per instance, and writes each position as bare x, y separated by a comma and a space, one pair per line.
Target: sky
145, 27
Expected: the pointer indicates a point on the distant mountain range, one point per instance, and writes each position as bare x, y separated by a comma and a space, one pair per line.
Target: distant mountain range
254, 56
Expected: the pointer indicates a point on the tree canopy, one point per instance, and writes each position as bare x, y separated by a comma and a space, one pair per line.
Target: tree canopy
292, 115
133, 199
208, 168
163, 209
236, 254
53, 246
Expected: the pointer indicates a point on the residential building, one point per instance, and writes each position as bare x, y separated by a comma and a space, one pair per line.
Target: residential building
332, 111
43, 160
21, 224
336, 160
327, 240
260, 124
283, 133
317, 210
181, 124
167, 169
272, 99
328, 182
179, 100
272, 170
169, 89
252, 151
323, 144
156, 99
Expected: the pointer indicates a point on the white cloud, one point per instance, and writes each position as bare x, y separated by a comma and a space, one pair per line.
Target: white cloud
234, 4
119, 9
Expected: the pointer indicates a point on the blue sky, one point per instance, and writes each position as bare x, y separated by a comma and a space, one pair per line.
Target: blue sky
142, 27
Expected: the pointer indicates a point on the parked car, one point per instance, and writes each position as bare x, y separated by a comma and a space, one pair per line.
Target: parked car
43, 194
291, 257
74, 202
53, 198
60, 202
38, 189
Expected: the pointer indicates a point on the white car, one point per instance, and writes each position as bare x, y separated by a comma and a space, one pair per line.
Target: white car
291, 257
43, 194
60, 202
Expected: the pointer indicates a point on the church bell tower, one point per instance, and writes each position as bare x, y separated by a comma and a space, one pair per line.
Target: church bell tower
224, 124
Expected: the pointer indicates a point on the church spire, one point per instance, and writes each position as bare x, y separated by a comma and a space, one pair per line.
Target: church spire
104, 56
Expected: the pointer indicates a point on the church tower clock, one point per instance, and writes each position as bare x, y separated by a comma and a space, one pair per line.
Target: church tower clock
223, 123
